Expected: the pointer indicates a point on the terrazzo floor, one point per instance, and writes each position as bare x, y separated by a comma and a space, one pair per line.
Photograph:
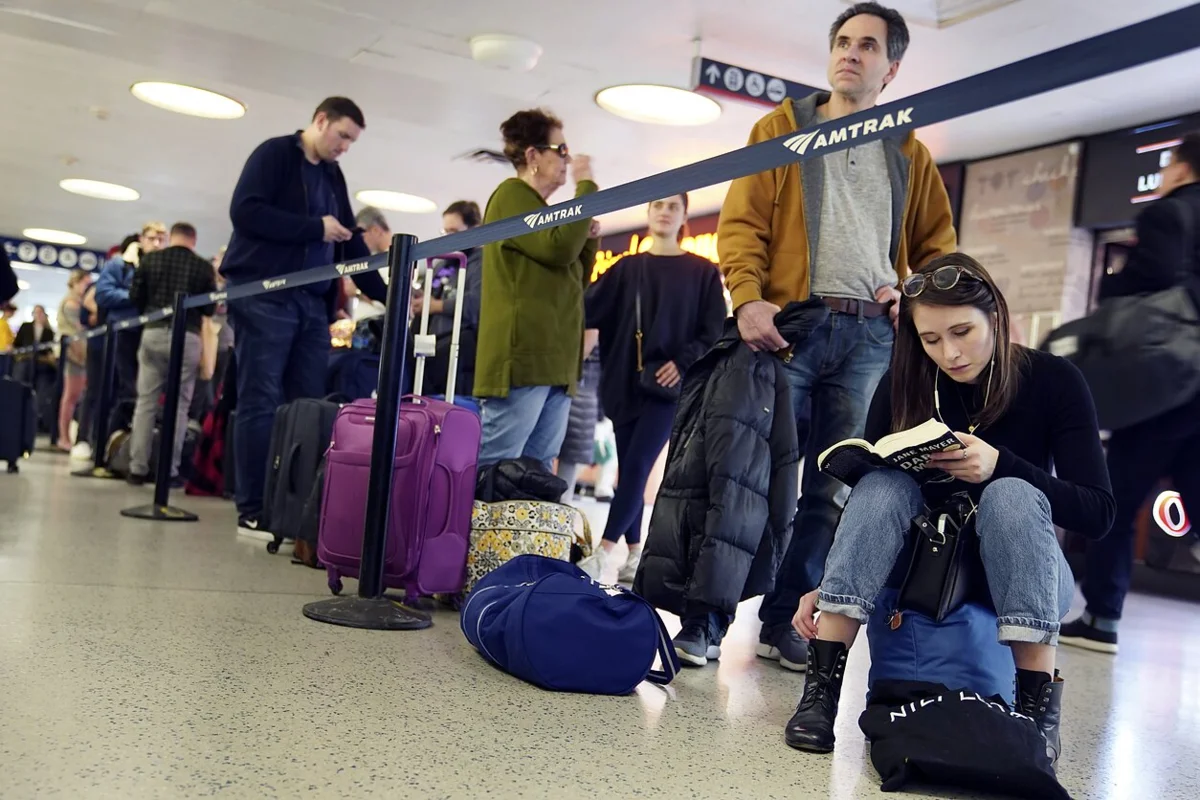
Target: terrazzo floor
147, 660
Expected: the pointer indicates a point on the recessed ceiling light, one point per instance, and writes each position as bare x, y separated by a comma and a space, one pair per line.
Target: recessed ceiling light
99, 189
658, 105
188, 100
396, 201
53, 236
23, 285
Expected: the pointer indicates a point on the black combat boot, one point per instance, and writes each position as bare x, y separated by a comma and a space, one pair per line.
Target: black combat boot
1040, 696
811, 727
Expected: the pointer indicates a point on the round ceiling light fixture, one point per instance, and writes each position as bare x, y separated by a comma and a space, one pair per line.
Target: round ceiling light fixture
396, 201
188, 100
658, 105
53, 236
506, 52
100, 190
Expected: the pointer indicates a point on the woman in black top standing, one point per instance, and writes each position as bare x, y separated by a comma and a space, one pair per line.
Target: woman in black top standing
657, 313
1019, 413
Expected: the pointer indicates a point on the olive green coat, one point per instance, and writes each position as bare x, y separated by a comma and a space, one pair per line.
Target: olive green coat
531, 310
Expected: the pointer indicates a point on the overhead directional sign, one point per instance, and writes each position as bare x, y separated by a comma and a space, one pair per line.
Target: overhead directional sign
726, 80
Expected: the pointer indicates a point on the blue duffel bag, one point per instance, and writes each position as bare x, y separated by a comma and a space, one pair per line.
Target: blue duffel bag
960, 651
548, 623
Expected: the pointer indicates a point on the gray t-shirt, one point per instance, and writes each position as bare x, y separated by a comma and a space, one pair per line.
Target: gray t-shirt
852, 257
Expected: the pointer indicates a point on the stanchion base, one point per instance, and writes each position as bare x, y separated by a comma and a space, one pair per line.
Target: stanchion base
96, 472
161, 513
378, 614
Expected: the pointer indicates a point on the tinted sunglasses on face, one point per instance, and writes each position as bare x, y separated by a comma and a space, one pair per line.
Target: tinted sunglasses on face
943, 278
562, 149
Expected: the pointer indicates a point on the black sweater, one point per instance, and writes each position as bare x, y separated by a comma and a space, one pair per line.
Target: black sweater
683, 311
1051, 424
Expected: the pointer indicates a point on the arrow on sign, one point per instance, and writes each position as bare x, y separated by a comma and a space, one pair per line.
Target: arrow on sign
714, 73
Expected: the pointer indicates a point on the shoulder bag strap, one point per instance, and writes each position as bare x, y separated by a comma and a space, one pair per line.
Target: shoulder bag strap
666, 653
637, 303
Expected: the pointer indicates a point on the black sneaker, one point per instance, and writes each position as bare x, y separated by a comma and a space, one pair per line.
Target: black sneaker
693, 647
1080, 634
136, 480
781, 643
250, 525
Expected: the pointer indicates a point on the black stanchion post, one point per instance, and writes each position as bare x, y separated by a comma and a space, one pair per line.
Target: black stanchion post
370, 609
102, 410
159, 509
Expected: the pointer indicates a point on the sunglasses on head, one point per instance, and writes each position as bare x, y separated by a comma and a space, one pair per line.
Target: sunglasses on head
943, 278
562, 149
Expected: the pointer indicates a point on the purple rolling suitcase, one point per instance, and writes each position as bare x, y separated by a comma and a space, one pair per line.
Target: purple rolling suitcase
433, 488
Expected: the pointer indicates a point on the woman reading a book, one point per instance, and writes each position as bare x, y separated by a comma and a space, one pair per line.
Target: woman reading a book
1018, 413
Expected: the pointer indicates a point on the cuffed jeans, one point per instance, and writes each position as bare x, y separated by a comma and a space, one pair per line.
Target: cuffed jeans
154, 356
531, 421
837, 369
282, 353
1030, 582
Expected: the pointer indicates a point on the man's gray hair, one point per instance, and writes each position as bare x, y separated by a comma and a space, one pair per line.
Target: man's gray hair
369, 217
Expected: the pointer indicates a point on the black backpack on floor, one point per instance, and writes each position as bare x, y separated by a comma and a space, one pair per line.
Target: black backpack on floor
299, 440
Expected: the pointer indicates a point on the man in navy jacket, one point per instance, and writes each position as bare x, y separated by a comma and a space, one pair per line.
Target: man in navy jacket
290, 211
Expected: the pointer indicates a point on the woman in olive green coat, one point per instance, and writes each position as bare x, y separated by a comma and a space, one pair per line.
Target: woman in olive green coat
531, 313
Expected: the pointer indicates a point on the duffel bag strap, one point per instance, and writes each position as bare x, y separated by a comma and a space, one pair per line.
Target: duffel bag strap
666, 653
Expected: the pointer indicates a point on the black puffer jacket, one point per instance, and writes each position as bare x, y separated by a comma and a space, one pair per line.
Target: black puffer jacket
722, 520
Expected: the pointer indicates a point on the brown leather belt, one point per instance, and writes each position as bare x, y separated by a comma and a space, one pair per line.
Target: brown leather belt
855, 307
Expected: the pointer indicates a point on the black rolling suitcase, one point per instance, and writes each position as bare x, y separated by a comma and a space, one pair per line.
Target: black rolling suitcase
299, 440
18, 421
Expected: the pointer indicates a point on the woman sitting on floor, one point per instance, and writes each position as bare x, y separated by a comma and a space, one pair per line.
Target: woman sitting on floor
1020, 413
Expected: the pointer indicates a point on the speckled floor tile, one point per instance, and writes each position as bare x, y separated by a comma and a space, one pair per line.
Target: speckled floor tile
152, 660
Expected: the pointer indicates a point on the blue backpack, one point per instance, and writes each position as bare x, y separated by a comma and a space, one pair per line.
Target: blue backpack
548, 623
960, 651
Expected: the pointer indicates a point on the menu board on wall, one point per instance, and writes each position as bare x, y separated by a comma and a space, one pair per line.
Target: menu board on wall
1017, 216
1122, 171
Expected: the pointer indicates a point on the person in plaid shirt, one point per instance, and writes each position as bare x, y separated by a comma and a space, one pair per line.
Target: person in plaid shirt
159, 277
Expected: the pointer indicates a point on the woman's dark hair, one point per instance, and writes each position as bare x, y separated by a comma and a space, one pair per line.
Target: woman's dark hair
1188, 151
468, 210
526, 129
914, 372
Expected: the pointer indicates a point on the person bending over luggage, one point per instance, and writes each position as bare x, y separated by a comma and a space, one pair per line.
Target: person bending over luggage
1019, 413
529, 356
682, 311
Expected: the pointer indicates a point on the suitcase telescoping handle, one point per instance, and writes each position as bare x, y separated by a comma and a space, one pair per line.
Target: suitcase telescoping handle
425, 345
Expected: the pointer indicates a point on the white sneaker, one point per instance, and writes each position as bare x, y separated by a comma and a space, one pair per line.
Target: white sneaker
596, 565
629, 570
82, 452
251, 528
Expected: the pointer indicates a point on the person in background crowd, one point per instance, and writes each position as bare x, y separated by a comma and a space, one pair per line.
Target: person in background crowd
682, 307
75, 380
89, 318
36, 331
1167, 254
225, 336
1019, 414
290, 211
6, 332
528, 359
443, 299
40, 369
161, 276
579, 443
841, 229
112, 298
8, 278
375, 231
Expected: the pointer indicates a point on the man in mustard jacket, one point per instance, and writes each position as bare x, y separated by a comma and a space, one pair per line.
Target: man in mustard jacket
845, 227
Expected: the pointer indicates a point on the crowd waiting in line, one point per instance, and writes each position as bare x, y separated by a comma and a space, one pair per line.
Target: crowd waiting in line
848, 297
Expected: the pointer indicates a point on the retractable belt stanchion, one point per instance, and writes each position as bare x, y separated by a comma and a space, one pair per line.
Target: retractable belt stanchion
102, 410
159, 509
370, 609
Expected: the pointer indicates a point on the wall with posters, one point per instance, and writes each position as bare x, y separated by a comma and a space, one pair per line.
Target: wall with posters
1018, 221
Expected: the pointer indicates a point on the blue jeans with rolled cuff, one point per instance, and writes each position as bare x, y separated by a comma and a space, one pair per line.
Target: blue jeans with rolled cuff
1030, 582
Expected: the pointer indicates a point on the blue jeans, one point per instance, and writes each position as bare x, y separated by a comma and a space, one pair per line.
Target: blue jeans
1030, 582
282, 352
531, 421
836, 369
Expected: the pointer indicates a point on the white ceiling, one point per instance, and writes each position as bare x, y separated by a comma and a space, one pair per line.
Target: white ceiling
69, 112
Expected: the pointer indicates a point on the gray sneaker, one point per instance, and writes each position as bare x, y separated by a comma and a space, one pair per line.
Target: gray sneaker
781, 643
693, 648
